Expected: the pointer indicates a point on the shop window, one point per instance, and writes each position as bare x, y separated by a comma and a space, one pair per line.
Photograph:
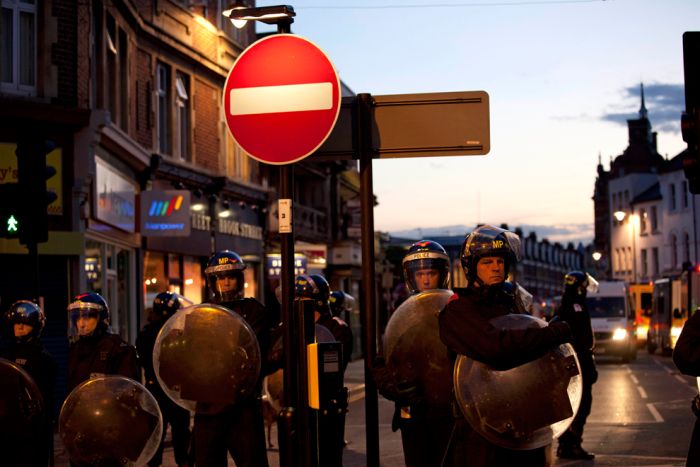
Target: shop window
250, 282
193, 284
18, 47
154, 280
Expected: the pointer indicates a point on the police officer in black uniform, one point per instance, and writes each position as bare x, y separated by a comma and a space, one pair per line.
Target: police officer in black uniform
425, 430
239, 429
487, 255
26, 320
574, 311
686, 356
165, 305
94, 350
331, 420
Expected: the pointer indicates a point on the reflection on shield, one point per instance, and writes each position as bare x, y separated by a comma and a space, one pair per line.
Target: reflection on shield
21, 410
110, 420
525, 407
413, 350
206, 358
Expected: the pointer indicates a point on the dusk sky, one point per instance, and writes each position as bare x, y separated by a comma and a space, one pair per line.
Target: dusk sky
562, 78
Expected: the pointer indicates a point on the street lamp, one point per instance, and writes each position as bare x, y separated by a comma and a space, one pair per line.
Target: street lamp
597, 255
294, 417
620, 215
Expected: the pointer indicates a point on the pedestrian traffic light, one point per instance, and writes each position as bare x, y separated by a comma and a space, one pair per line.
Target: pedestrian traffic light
32, 173
9, 210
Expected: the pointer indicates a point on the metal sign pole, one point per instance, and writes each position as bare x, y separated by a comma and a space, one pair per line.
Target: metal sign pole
369, 325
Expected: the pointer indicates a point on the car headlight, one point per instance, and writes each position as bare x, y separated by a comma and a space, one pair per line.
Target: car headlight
619, 334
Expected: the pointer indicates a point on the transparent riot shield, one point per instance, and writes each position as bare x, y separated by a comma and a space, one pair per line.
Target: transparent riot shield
413, 351
21, 413
525, 407
110, 420
207, 358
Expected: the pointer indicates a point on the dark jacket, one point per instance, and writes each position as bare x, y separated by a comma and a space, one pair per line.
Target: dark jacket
106, 354
686, 356
145, 342
465, 328
41, 366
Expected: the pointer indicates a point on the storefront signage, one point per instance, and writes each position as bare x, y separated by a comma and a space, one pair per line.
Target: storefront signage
165, 213
274, 264
116, 198
227, 227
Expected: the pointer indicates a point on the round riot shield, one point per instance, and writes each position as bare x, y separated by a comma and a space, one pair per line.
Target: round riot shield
21, 412
206, 358
110, 420
413, 351
525, 407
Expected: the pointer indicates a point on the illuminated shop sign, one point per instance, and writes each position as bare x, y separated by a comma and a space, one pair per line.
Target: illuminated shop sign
116, 198
165, 213
274, 264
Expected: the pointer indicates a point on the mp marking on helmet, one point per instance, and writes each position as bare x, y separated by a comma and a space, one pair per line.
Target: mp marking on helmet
497, 243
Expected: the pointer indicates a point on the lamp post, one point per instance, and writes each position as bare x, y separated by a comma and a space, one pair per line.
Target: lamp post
283, 16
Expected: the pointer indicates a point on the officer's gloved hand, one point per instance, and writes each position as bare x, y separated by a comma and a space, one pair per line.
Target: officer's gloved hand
409, 394
560, 332
695, 406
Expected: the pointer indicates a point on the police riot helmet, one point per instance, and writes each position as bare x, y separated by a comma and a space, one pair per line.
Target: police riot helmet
577, 284
487, 240
29, 313
88, 305
337, 302
313, 286
426, 254
225, 264
167, 303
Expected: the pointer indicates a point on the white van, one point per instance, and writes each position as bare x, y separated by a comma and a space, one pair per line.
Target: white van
612, 321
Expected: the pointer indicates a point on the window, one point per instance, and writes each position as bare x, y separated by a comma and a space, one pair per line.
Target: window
116, 60
684, 193
645, 265
163, 107
686, 247
672, 197
18, 46
182, 127
674, 251
655, 261
642, 221
654, 220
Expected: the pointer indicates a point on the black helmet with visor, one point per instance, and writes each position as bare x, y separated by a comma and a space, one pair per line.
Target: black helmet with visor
488, 240
223, 265
426, 254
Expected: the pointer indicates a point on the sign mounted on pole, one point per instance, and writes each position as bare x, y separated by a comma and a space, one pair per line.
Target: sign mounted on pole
281, 99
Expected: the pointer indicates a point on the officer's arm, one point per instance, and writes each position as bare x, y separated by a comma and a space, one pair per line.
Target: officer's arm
686, 354
469, 334
126, 362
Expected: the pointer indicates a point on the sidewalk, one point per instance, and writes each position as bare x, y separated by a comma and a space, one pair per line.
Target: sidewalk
354, 380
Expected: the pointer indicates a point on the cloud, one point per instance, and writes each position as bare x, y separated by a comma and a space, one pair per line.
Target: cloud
664, 103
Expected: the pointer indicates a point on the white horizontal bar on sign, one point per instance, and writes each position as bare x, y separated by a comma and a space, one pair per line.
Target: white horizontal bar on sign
285, 98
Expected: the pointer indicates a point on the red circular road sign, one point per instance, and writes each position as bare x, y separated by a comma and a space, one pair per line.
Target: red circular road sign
281, 98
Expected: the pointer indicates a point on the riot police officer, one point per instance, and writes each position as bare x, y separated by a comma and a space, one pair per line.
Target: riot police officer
165, 305
466, 328
26, 320
94, 350
331, 421
574, 311
425, 430
239, 429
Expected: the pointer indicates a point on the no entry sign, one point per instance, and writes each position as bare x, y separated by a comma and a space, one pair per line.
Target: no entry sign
281, 99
